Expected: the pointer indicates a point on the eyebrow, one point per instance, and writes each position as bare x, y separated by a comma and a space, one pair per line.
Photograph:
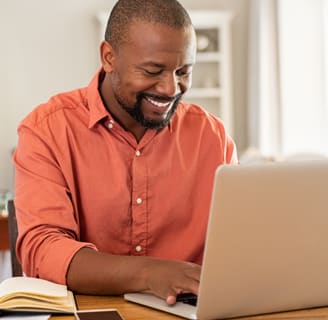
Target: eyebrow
152, 64
159, 65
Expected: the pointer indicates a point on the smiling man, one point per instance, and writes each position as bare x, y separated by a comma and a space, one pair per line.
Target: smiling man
113, 181
148, 68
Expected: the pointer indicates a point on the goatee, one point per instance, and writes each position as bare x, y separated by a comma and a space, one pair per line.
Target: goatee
137, 114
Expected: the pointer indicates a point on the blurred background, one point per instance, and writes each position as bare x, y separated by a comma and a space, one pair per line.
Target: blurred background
278, 68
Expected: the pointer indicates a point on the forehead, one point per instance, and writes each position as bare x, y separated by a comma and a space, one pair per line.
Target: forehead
158, 41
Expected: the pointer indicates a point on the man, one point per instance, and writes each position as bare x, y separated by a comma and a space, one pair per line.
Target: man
113, 181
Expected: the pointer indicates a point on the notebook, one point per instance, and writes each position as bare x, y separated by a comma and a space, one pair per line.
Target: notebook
266, 245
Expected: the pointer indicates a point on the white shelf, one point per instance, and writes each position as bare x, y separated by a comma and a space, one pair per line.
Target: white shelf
204, 93
207, 19
209, 56
212, 72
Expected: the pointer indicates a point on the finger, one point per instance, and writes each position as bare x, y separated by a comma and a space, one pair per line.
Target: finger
170, 300
192, 270
194, 274
191, 286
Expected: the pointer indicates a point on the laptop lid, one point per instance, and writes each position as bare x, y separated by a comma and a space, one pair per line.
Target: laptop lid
267, 241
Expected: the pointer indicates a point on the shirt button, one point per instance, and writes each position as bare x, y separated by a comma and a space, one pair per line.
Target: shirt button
110, 124
138, 153
139, 200
138, 248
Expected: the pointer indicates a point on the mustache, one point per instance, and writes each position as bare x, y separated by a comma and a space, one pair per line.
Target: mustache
161, 97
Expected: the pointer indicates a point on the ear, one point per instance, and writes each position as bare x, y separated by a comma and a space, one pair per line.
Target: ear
107, 55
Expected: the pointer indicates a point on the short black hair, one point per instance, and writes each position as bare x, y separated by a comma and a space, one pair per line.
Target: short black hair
167, 12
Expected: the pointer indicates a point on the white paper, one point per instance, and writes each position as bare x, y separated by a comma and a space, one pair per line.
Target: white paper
20, 316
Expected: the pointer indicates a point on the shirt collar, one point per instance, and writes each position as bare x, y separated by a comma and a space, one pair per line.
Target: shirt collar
96, 106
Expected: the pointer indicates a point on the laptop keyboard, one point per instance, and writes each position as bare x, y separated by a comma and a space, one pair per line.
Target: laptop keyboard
188, 298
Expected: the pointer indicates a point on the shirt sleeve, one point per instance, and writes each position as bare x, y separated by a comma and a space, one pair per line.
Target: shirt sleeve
48, 222
231, 151
228, 146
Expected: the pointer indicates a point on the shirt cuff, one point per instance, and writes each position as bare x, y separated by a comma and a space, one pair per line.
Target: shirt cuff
59, 258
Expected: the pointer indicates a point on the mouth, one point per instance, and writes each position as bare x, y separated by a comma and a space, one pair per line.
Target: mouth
159, 104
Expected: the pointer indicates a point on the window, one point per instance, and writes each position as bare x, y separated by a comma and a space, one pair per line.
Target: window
289, 80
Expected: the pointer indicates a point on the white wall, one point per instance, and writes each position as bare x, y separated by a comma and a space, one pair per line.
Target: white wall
50, 46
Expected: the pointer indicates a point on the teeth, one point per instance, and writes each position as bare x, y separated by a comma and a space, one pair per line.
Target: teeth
158, 104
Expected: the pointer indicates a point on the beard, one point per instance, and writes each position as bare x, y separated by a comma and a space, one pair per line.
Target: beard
136, 112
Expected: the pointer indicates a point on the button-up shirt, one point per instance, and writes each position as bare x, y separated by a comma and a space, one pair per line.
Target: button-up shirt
83, 180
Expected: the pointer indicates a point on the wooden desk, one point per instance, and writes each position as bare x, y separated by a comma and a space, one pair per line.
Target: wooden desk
131, 311
4, 235
128, 310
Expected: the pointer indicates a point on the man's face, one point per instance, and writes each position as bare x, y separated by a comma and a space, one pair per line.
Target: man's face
150, 72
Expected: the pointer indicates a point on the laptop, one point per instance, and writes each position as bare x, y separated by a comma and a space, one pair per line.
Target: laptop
266, 244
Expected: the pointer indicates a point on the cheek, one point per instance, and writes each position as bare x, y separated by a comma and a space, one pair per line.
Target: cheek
185, 84
126, 89
129, 84
117, 85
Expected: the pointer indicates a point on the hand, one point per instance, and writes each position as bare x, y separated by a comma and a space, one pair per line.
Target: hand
167, 279
93, 272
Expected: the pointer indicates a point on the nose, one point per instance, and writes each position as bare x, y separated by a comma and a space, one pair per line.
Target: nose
169, 85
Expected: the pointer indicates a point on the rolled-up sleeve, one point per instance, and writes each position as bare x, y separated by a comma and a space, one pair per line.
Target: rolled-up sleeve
48, 222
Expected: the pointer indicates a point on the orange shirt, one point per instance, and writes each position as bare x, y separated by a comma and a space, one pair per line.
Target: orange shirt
82, 180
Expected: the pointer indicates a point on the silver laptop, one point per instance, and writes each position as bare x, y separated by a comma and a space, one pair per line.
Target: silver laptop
267, 243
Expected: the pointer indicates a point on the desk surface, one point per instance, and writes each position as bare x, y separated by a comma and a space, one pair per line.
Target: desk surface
131, 311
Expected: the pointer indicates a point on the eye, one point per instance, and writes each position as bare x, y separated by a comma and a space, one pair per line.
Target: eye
184, 72
152, 72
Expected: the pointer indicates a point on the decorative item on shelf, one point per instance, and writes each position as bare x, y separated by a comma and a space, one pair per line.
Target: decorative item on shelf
202, 42
207, 40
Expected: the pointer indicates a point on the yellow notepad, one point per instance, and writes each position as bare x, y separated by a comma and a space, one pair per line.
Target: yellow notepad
35, 295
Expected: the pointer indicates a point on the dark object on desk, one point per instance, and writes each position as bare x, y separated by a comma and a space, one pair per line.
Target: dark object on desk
13, 233
98, 315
